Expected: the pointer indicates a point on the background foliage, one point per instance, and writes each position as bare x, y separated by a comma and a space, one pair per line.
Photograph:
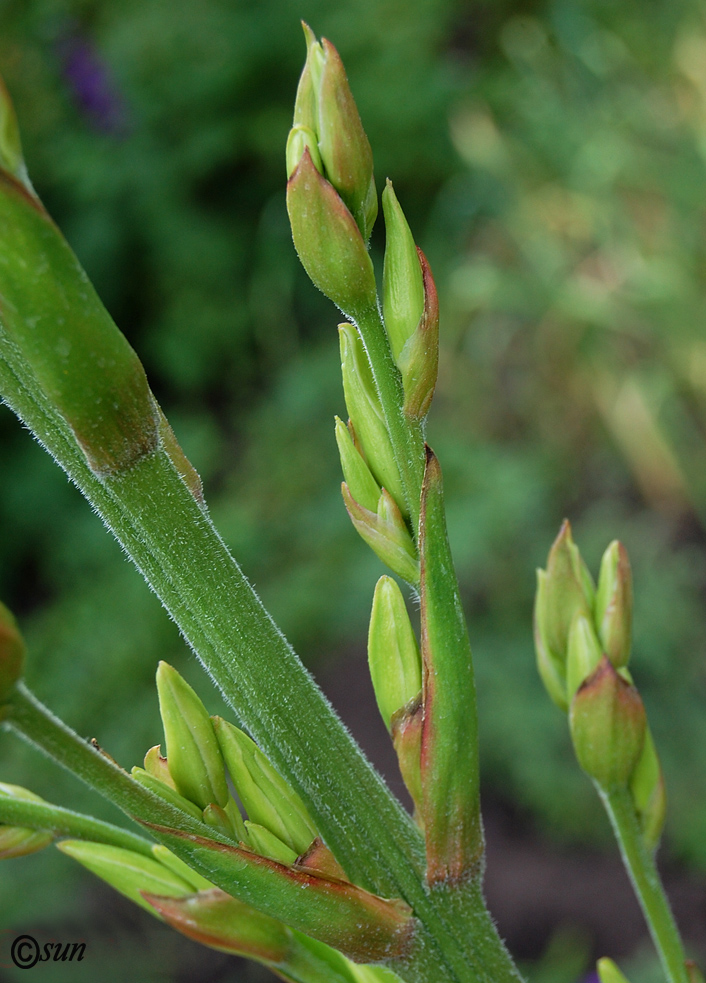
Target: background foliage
550, 157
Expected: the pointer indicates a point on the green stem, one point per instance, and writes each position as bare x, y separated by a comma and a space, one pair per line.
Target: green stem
406, 435
641, 867
66, 823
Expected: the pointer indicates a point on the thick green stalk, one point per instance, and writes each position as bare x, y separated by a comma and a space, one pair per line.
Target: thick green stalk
66, 823
641, 867
406, 435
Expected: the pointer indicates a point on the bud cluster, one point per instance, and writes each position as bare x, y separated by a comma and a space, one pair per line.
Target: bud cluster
583, 637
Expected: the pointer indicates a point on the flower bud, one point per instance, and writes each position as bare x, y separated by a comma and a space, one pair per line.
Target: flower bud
648, 793
325, 107
11, 158
328, 241
215, 919
16, 841
365, 411
164, 856
268, 845
613, 609
364, 488
608, 972
608, 725
228, 822
564, 590
393, 654
693, 973
407, 739
301, 138
402, 284
385, 533
267, 798
158, 767
583, 654
130, 873
12, 653
166, 792
195, 760
419, 359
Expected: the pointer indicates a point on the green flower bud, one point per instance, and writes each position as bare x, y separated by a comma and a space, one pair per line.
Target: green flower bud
158, 767
217, 920
648, 793
393, 654
266, 797
365, 411
130, 873
419, 359
166, 792
364, 488
11, 158
195, 760
328, 241
402, 284
228, 820
564, 590
16, 841
693, 972
613, 611
608, 972
385, 533
12, 653
407, 739
268, 845
325, 107
164, 856
583, 654
301, 138
608, 725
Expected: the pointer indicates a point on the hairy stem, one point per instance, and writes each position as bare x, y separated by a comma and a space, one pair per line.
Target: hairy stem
641, 867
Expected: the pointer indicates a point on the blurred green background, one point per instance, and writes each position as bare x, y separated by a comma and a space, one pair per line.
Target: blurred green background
551, 159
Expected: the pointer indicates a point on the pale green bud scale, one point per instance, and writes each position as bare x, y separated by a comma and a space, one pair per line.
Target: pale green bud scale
268, 845
402, 282
364, 488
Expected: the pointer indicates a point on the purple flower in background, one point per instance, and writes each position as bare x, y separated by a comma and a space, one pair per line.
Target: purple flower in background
92, 87
592, 978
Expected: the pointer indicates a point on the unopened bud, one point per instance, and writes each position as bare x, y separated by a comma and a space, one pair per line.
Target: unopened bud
608, 972
648, 793
166, 792
365, 411
267, 798
564, 590
157, 766
393, 653
328, 241
608, 724
419, 359
268, 845
301, 138
385, 533
407, 738
325, 107
16, 841
12, 653
402, 285
127, 872
613, 610
583, 654
164, 856
364, 488
195, 760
